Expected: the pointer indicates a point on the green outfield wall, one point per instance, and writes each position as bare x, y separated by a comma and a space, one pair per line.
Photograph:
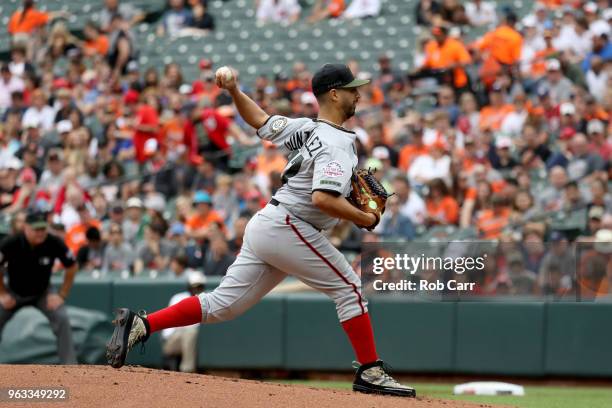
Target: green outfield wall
301, 332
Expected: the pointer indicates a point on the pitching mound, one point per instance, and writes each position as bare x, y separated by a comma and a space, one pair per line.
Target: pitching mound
102, 386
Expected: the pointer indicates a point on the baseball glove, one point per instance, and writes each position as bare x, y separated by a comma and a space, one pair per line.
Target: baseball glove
368, 194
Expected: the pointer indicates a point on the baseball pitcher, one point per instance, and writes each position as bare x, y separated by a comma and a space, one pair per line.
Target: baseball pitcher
316, 184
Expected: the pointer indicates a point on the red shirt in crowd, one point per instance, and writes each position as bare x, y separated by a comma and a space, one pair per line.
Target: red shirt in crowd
145, 116
216, 126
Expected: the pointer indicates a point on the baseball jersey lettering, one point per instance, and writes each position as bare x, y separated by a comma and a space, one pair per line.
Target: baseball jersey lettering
322, 158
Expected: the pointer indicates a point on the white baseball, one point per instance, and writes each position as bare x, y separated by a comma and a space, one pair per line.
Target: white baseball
224, 73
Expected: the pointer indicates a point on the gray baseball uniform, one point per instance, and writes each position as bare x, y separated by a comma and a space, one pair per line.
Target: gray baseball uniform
285, 238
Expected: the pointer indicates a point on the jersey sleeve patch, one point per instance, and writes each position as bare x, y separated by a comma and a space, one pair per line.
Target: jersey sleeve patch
278, 125
333, 169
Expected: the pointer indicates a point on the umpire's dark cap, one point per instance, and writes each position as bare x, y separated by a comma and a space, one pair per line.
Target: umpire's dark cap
37, 219
334, 76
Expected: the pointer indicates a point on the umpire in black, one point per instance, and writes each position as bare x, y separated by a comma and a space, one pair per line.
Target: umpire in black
27, 259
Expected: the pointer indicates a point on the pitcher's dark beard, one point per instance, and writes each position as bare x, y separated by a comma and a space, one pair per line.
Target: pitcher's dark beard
349, 112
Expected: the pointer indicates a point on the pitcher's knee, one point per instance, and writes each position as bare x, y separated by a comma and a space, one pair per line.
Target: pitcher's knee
215, 310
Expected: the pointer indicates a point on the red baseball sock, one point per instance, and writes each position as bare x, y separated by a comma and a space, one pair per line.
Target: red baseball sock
184, 313
359, 331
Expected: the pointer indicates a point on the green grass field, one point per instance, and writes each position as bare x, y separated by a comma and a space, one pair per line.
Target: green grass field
536, 396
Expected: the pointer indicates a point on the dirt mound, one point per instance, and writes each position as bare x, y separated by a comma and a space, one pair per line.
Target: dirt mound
102, 386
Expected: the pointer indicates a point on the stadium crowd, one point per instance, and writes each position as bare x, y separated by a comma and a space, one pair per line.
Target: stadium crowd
504, 138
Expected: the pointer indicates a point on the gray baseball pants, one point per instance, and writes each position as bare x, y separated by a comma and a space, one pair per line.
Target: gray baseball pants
275, 245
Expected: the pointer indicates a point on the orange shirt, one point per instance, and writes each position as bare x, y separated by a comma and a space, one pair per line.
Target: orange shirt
266, 165
551, 3
491, 225
471, 194
336, 7
197, 222
447, 208
538, 67
32, 20
408, 154
504, 44
492, 117
75, 236
450, 53
98, 46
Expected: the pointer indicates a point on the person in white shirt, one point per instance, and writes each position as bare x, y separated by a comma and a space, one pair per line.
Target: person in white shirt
39, 112
430, 166
278, 11
512, 125
362, 9
597, 78
532, 43
411, 204
9, 83
481, 13
182, 342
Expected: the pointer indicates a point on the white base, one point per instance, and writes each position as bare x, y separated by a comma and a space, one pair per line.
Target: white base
489, 388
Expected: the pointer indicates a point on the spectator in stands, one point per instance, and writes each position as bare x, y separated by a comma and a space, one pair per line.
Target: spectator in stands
522, 280
595, 268
219, 126
278, 11
133, 225
481, 13
175, 19
433, 165
426, 11
128, 13
558, 86
513, 122
182, 343
583, 162
118, 255
201, 19
58, 45
594, 220
154, 252
600, 197
76, 233
572, 199
442, 208
9, 83
362, 9
601, 47
452, 12
198, 225
502, 46
29, 20
491, 222
394, 224
550, 199
96, 42
323, 9
445, 55
219, 257
493, 115
122, 46
90, 255
524, 208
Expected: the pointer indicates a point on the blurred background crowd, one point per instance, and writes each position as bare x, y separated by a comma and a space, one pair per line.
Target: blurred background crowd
145, 170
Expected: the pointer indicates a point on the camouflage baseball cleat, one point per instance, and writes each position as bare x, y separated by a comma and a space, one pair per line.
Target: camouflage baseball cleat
373, 378
130, 329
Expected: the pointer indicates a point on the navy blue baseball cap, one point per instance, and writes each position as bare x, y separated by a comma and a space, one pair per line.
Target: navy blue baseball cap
334, 76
